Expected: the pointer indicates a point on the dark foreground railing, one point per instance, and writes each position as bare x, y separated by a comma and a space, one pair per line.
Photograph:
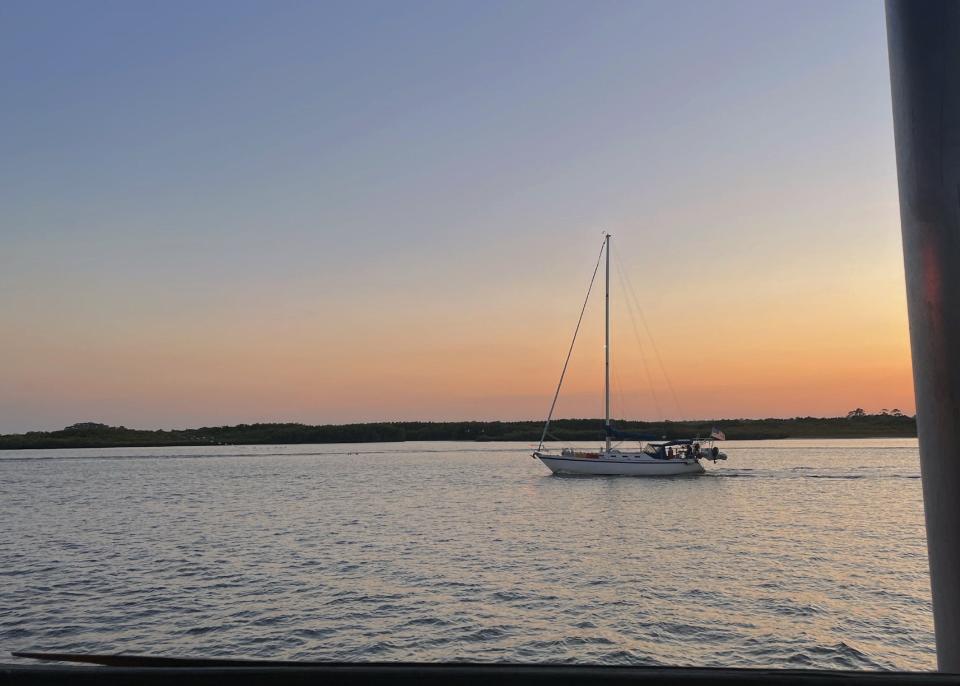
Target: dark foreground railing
185, 671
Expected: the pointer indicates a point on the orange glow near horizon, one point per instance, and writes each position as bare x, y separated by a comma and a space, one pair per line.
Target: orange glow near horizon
812, 352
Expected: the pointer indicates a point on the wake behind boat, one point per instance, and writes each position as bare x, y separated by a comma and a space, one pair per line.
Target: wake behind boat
653, 457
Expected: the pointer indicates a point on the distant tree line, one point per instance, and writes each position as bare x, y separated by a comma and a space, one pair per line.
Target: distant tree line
857, 424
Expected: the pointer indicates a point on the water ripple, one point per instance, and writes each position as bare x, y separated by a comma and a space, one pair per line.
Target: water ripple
792, 554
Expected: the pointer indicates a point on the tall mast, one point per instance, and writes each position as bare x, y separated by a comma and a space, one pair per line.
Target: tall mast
606, 348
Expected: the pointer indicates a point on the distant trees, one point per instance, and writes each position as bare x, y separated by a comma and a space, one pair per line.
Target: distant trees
92, 435
860, 412
87, 426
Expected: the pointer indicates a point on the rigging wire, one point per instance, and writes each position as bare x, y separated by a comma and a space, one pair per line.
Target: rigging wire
623, 402
643, 357
646, 326
620, 396
570, 351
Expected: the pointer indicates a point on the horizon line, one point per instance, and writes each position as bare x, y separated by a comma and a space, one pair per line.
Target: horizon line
94, 424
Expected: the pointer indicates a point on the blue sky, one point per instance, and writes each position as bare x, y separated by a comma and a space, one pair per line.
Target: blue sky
172, 169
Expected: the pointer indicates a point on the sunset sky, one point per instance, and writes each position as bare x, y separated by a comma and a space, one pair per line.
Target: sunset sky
225, 212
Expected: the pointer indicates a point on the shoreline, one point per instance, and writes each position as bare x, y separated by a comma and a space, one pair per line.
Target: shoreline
436, 440
94, 435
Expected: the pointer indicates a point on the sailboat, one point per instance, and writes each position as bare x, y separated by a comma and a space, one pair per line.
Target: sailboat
653, 457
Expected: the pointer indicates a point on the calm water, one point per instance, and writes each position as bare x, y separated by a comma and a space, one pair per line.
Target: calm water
793, 554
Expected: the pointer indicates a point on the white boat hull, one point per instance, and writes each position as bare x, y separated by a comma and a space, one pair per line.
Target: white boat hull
619, 465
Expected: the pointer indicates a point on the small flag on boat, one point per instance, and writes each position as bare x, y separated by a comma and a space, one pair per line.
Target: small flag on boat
718, 435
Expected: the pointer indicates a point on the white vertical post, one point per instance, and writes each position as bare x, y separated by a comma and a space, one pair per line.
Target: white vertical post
606, 348
923, 39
